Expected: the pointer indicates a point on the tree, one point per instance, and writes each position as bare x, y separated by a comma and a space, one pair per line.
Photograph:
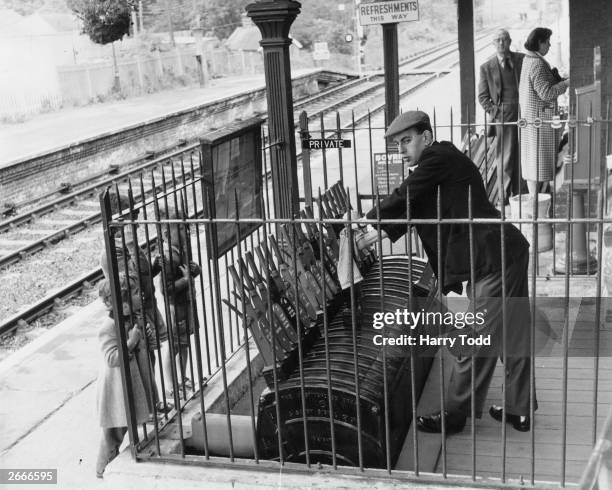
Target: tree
104, 21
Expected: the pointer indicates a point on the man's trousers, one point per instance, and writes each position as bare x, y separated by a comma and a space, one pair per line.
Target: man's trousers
488, 296
508, 153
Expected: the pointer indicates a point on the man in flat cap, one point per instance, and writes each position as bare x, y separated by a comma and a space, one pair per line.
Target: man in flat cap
441, 169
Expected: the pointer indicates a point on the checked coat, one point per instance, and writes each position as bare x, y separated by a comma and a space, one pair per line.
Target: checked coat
538, 92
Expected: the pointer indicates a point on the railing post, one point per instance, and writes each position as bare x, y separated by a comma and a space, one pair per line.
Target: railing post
305, 135
113, 270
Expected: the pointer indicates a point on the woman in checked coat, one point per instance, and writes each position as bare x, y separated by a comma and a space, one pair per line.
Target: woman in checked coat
539, 87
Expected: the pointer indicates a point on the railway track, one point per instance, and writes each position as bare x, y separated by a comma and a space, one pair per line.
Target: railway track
79, 209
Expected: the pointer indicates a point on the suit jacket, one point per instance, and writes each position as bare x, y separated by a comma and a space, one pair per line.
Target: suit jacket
442, 166
490, 83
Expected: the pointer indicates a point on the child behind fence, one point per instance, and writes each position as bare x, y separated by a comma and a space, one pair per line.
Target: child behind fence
141, 272
179, 272
110, 400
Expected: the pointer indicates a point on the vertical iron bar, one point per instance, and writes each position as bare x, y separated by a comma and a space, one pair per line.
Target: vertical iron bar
502, 236
413, 396
171, 328
324, 155
472, 287
172, 290
384, 349
354, 340
277, 397
372, 184
246, 334
306, 170
339, 136
440, 286
330, 398
115, 288
299, 345
201, 276
353, 129
156, 314
190, 286
217, 288
210, 232
565, 338
143, 306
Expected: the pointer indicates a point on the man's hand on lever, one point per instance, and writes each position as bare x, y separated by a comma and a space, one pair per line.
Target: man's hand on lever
368, 235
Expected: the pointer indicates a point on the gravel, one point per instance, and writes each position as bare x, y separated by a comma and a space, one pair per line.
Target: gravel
31, 279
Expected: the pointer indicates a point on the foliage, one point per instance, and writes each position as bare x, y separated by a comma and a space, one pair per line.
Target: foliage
320, 20
104, 21
222, 17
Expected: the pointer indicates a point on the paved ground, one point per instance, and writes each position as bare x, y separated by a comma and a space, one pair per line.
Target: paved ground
58, 129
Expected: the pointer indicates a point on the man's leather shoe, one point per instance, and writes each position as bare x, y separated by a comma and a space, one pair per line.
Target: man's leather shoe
433, 423
522, 423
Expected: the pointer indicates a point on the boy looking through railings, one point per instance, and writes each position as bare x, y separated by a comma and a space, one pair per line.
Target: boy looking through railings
141, 272
179, 271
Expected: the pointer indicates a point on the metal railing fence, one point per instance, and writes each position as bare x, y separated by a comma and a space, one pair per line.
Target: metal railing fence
285, 367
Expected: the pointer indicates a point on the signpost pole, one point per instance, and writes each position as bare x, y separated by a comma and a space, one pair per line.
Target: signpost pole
389, 13
467, 76
391, 58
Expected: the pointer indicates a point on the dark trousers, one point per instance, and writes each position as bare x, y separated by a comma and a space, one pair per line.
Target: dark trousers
488, 296
508, 154
109, 446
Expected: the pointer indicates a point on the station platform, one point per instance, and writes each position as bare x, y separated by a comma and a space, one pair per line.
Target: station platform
48, 390
47, 132
48, 413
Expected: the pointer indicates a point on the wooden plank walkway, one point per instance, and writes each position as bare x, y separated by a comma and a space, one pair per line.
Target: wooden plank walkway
580, 430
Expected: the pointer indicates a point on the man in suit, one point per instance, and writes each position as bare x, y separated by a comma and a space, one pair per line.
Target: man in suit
441, 169
498, 95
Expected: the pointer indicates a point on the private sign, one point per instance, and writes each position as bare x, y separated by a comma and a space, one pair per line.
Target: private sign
388, 12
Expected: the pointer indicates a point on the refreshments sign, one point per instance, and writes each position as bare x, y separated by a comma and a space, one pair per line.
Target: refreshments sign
388, 12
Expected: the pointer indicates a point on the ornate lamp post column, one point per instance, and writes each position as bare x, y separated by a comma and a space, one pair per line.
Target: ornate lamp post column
274, 18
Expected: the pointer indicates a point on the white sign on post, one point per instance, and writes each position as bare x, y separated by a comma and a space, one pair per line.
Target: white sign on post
321, 51
388, 12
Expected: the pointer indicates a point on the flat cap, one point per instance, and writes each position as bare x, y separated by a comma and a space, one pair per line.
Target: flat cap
405, 121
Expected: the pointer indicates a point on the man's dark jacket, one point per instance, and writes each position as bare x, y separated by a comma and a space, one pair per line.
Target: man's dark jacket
443, 166
490, 85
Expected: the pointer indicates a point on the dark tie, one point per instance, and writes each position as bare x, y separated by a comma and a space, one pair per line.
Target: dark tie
507, 65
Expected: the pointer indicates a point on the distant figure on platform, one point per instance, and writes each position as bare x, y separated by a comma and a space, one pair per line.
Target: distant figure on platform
179, 271
539, 88
442, 167
110, 400
498, 94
